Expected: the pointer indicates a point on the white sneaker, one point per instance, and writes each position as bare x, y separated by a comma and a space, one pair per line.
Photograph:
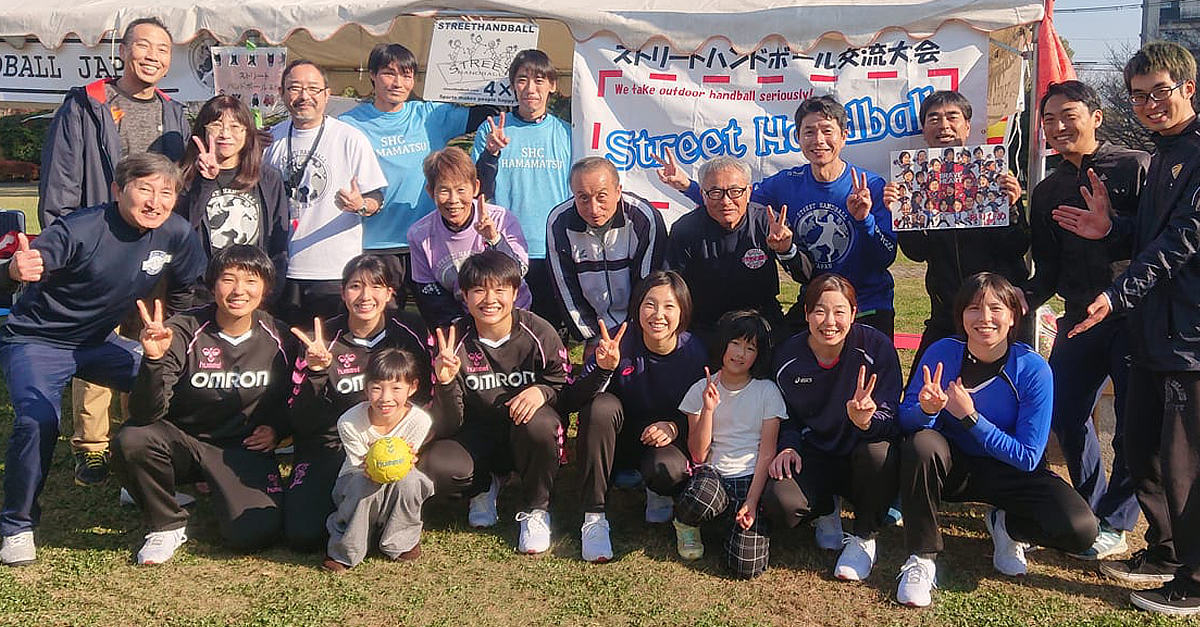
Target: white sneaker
161, 545
535, 531
918, 578
182, 498
482, 512
856, 560
18, 549
1008, 555
659, 508
829, 527
597, 547
688, 542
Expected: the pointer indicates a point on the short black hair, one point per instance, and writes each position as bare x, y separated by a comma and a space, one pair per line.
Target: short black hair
240, 257
383, 55
142, 164
153, 21
535, 60
489, 267
1161, 56
393, 364
826, 106
671, 279
745, 324
1073, 91
375, 268
946, 98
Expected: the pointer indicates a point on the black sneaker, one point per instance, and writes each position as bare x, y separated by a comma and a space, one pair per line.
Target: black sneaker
1170, 599
1141, 567
91, 467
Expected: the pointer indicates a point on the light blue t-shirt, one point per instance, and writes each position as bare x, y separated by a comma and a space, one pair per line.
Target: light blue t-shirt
531, 177
401, 141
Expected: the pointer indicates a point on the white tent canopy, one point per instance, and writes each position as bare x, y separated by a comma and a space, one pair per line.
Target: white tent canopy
685, 23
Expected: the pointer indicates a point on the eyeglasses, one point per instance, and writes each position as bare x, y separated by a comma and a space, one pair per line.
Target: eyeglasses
717, 193
215, 128
311, 90
1158, 94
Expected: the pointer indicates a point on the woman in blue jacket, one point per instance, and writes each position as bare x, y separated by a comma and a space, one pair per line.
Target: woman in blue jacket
980, 416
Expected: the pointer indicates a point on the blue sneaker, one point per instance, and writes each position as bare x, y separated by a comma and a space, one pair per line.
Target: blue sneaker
627, 479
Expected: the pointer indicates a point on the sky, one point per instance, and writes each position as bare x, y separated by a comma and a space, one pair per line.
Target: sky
1091, 35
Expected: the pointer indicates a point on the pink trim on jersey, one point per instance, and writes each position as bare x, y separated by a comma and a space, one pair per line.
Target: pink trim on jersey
196, 336
541, 351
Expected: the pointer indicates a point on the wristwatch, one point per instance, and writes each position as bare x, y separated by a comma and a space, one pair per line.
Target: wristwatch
362, 211
968, 421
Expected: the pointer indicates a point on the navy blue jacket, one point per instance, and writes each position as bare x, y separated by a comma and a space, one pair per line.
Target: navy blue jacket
816, 396
95, 266
1161, 287
83, 148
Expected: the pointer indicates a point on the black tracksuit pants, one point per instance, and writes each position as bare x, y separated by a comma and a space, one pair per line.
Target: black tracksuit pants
462, 465
867, 477
604, 443
152, 459
1040, 507
1162, 451
308, 498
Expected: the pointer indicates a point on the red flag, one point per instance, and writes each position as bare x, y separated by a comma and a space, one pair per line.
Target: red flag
1053, 64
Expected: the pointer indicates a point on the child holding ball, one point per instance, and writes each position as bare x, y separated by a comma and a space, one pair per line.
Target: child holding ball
391, 511
733, 424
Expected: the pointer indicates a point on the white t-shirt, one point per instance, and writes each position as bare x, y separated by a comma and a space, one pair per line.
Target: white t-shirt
737, 423
323, 237
357, 434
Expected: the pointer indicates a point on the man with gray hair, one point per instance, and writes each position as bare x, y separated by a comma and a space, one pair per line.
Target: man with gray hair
600, 243
726, 250
80, 277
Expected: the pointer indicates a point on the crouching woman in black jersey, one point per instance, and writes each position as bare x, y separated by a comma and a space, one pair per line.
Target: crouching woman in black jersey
206, 407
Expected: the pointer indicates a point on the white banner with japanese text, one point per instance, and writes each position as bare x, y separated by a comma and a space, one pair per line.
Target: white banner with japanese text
629, 105
36, 74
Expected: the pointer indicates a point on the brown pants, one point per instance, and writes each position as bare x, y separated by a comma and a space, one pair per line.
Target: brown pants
91, 406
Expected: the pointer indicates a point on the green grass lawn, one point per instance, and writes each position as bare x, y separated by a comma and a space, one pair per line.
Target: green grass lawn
84, 576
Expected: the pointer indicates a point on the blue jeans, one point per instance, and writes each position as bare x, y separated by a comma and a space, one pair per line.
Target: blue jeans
1080, 365
36, 375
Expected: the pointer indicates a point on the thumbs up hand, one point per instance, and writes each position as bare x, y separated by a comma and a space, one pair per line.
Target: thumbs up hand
350, 199
26, 265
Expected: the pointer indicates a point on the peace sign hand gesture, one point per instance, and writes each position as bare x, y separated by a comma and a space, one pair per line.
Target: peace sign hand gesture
155, 337
669, 173
932, 398
862, 407
779, 234
608, 351
206, 159
712, 396
317, 354
1093, 222
858, 203
496, 139
484, 225
446, 363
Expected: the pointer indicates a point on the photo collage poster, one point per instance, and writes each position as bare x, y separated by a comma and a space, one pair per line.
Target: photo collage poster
954, 187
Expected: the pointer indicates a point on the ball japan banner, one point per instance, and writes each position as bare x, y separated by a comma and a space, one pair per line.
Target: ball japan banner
631, 105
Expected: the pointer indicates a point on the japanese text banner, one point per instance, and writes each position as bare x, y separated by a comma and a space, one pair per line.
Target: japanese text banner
629, 106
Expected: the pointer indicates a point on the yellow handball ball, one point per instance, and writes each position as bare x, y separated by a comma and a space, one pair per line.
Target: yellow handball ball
389, 460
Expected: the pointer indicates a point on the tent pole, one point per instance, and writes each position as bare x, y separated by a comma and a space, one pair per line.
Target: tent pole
1037, 162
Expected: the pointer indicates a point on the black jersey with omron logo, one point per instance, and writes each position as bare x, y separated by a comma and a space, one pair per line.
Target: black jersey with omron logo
319, 398
212, 386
